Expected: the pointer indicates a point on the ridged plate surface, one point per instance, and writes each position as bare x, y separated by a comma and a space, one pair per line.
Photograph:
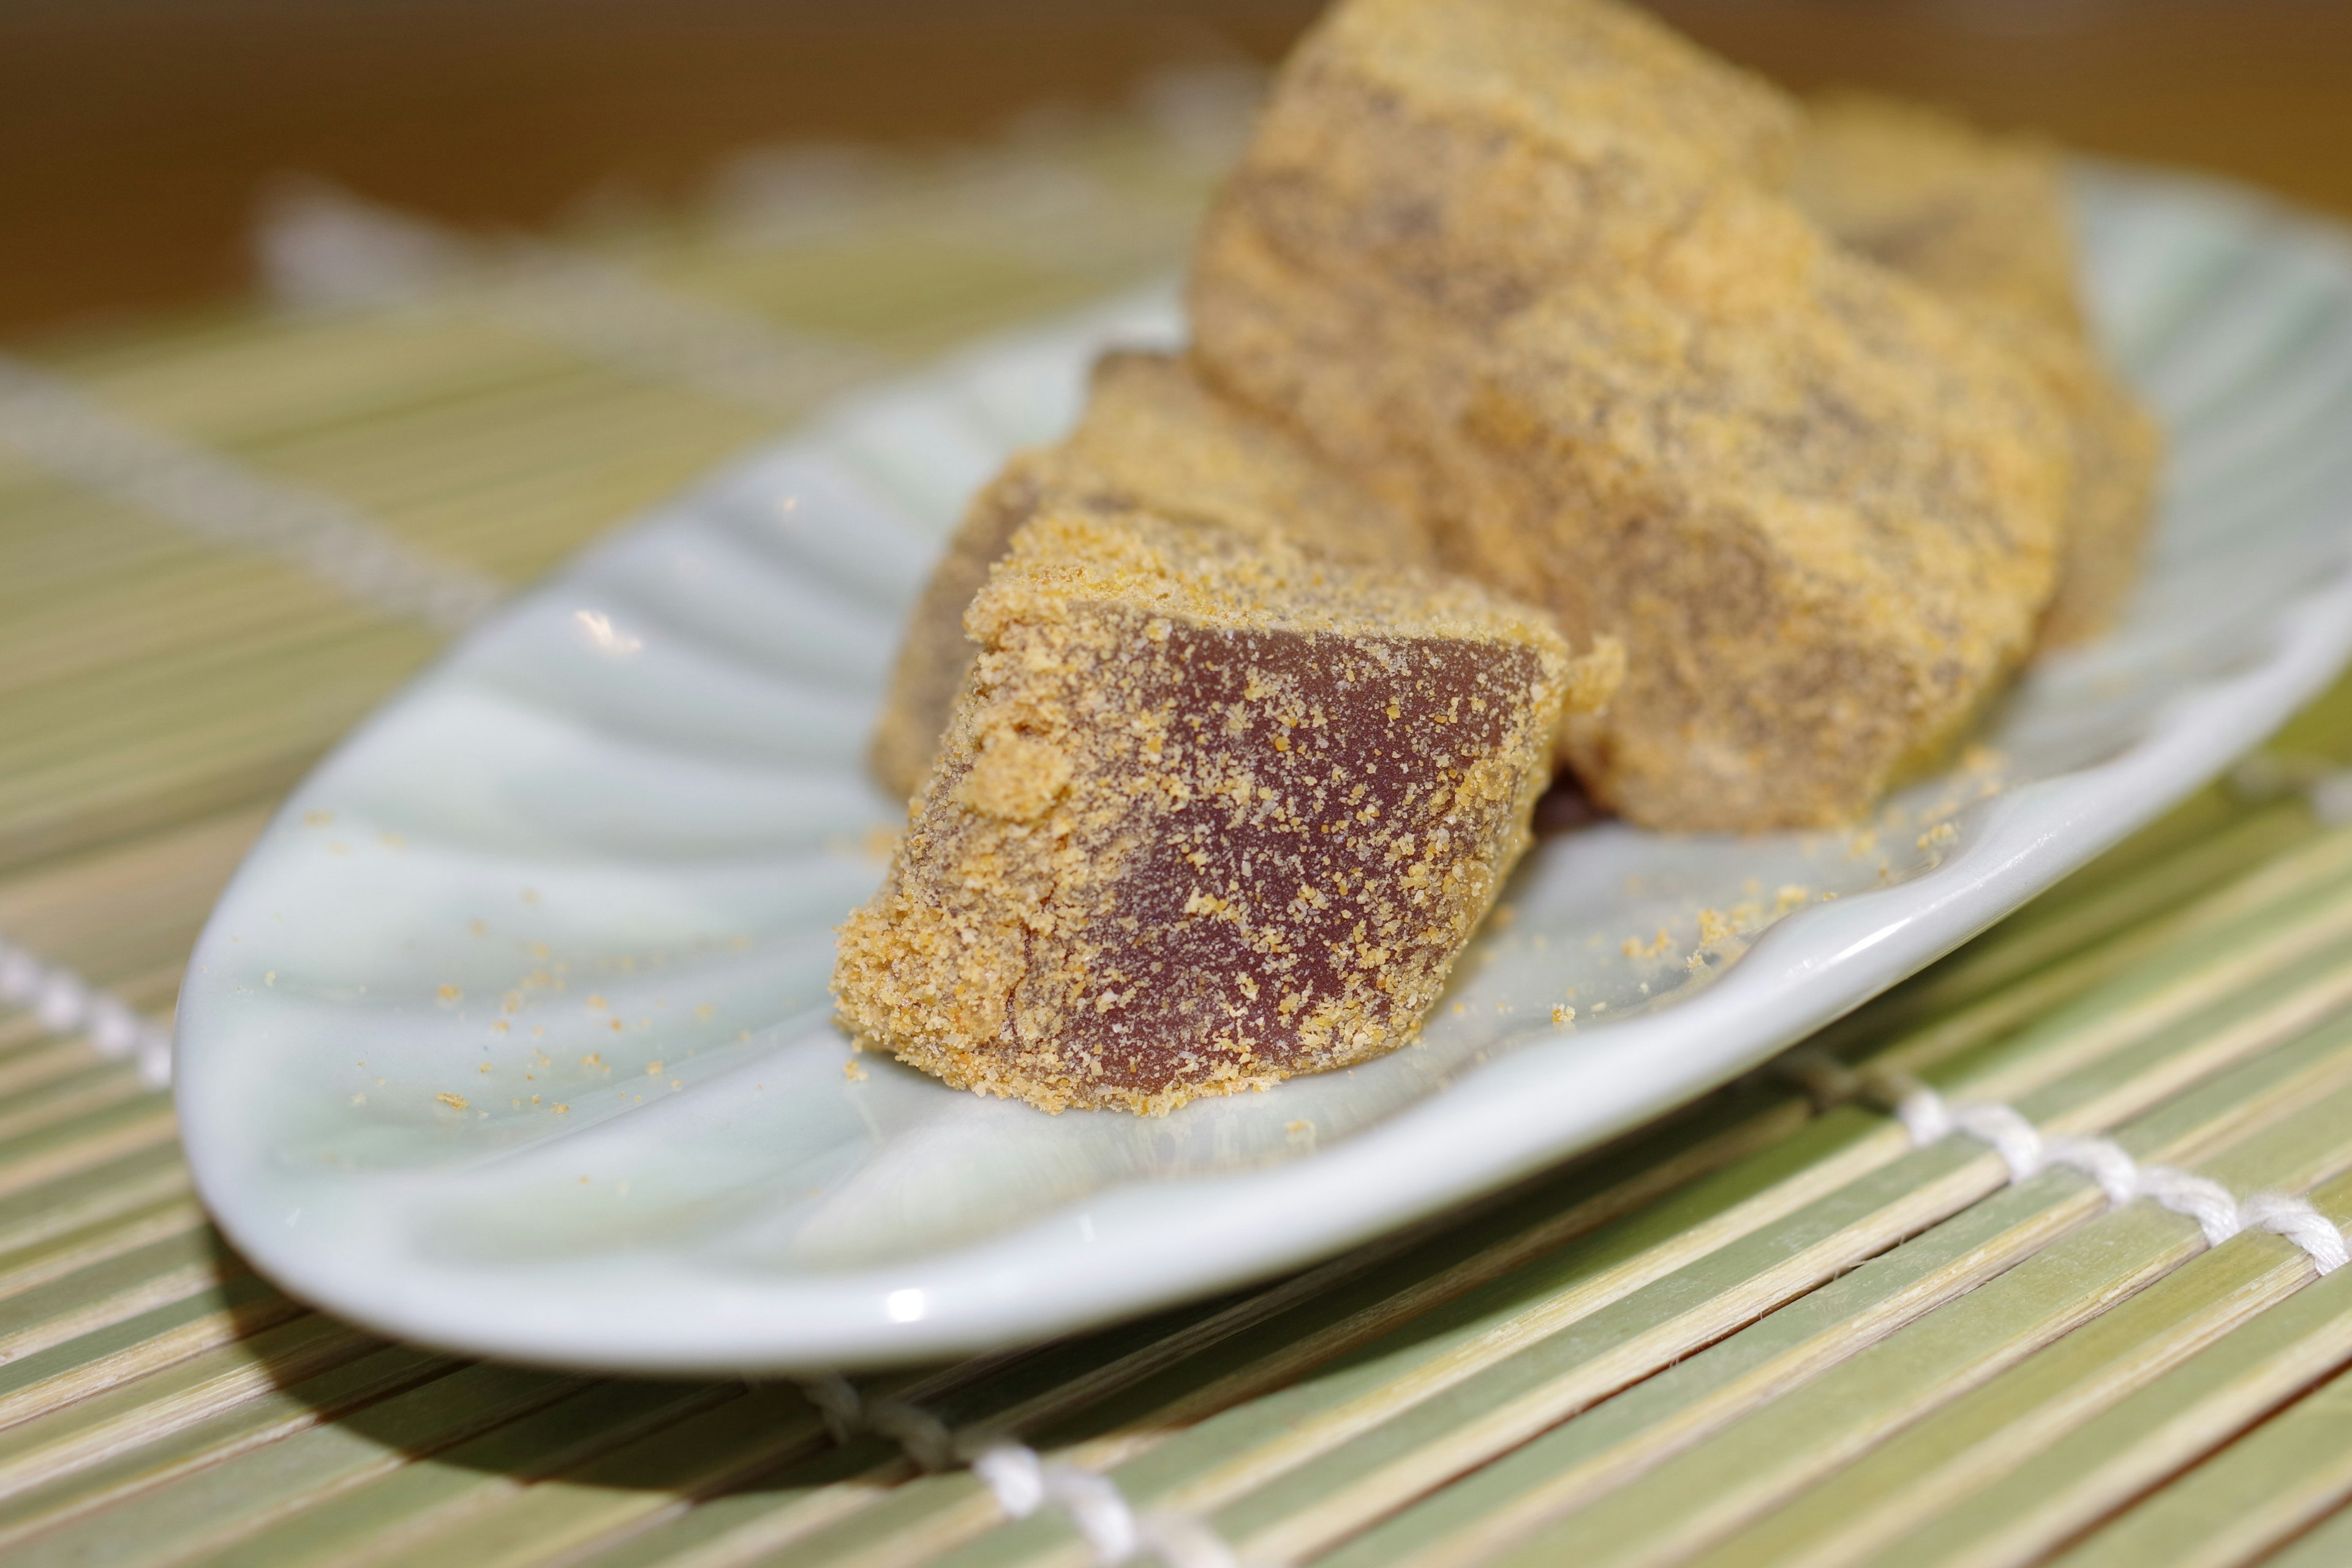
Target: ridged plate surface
512, 1035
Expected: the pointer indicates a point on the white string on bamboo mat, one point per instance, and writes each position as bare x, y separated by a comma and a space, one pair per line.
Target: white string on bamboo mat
2325, 786
63, 1001
1024, 1480
2331, 798
82, 441
322, 247
2027, 1151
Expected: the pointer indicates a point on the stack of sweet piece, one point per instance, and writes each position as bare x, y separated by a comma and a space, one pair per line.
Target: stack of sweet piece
1523, 328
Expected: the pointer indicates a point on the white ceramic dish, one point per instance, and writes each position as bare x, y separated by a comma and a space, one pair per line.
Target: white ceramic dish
512, 1035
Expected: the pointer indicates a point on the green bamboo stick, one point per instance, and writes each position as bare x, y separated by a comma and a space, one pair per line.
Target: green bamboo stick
107, 1292
34, 1158
58, 724
96, 1192
1923, 1497
2257, 1490
593, 480
106, 912
44, 1062
1701, 1495
160, 779
139, 1413
123, 958
21, 1032
154, 992
448, 451
1737, 1379
623, 1490
211, 724
81, 899
59, 543
210, 1508
2184, 825
103, 1239
430, 1497
221, 1314
95, 1087
2328, 1543
318, 1399
2068, 920
229, 608
195, 1507
2010, 1008
270, 376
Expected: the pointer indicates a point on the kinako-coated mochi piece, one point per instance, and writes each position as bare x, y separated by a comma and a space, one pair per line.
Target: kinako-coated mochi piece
1980, 219
1211, 811
1526, 268
1151, 436
1983, 221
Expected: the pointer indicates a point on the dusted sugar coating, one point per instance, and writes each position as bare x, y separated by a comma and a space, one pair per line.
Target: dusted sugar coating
1979, 219
1525, 268
1151, 436
1475, 150
2118, 464
1982, 220
933, 654
1211, 812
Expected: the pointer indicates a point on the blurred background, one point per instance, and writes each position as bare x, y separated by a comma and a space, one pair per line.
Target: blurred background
136, 134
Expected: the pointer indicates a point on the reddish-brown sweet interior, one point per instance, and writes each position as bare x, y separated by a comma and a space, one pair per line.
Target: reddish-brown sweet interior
1238, 917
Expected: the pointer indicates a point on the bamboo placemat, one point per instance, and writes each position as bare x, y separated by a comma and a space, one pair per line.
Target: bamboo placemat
1787, 1325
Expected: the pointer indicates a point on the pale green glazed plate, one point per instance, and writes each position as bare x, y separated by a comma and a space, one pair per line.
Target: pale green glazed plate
512, 1035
